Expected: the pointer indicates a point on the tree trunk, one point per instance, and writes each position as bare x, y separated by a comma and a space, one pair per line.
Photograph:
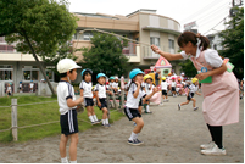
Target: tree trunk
38, 62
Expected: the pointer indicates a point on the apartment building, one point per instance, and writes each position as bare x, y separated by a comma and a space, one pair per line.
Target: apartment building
143, 25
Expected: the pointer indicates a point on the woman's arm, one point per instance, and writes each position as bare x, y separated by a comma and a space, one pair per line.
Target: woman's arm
166, 55
214, 72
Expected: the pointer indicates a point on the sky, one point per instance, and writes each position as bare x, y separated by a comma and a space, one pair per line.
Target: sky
206, 13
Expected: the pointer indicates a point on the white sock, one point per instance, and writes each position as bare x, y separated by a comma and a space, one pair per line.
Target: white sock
95, 118
73, 161
91, 118
106, 121
64, 160
147, 108
130, 138
135, 136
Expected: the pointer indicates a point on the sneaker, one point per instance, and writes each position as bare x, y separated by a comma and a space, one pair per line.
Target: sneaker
103, 125
98, 122
195, 108
136, 142
178, 106
92, 123
209, 146
166, 99
108, 125
214, 151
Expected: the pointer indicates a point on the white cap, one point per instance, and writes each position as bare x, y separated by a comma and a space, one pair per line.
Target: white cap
66, 65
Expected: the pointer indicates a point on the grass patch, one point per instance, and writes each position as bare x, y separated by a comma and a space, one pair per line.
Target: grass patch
40, 113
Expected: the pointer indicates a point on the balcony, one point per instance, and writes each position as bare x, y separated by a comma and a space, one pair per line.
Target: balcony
132, 51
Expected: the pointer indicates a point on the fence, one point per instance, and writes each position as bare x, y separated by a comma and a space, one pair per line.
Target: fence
14, 125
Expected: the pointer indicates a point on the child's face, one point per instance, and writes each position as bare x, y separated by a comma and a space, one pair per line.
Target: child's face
148, 81
102, 80
87, 77
73, 75
116, 80
140, 78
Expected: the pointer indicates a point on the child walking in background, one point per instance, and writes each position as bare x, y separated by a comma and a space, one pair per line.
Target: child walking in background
9, 90
86, 91
174, 85
100, 91
164, 87
190, 96
131, 109
221, 97
68, 113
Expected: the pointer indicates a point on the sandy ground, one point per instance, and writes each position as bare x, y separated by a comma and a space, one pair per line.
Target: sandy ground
169, 135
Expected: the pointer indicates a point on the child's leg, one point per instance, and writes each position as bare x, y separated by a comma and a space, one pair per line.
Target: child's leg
104, 115
92, 111
89, 111
91, 118
73, 147
167, 96
63, 143
139, 109
194, 102
148, 106
185, 103
140, 125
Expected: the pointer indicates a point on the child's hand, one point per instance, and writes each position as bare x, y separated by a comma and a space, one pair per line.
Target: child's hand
202, 76
137, 84
99, 104
81, 99
155, 90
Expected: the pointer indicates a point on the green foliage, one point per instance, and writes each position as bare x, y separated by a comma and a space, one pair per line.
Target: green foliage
42, 113
188, 68
106, 55
234, 42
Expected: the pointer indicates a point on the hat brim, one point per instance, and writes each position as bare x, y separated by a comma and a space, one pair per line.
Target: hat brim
76, 67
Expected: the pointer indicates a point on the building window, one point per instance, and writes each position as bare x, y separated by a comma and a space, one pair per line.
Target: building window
170, 44
215, 47
27, 75
155, 41
88, 36
6, 72
35, 75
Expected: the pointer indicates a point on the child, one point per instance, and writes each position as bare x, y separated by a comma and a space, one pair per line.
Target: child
85, 91
100, 91
9, 90
241, 89
148, 90
191, 92
68, 119
164, 87
221, 97
131, 109
174, 84
21, 88
114, 85
31, 86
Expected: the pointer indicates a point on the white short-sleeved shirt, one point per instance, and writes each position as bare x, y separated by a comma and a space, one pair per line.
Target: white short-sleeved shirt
31, 85
87, 92
65, 91
174, 84
131, 101
20, 85
9, 89
148, 88
164, 86
114, 85
102, 90
211, 56
192, 88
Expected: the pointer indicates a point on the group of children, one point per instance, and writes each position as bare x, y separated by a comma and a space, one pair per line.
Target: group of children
220, 105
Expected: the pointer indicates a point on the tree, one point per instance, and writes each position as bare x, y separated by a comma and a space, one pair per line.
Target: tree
234, 42
188, 68
105, 55
39, 26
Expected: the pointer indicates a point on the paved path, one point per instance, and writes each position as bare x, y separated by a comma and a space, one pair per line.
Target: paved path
170, 136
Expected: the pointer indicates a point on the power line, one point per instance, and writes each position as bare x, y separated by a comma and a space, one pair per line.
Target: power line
196, 14
204, 23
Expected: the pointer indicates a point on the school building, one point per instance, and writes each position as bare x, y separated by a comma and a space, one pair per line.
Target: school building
142, 25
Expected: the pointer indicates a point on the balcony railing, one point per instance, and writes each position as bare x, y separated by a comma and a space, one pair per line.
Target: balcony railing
149, 54
130, 49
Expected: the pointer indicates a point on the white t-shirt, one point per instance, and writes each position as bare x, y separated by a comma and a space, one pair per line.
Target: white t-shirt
9, 89
131, 101
147, 88
114, 85
31, 85
102, 90
192, 88
211, 57
174, 84
87, 93
164, 85
65, 91
20, 85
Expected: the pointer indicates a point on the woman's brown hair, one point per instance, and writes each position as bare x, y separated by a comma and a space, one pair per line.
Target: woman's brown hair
185, 37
